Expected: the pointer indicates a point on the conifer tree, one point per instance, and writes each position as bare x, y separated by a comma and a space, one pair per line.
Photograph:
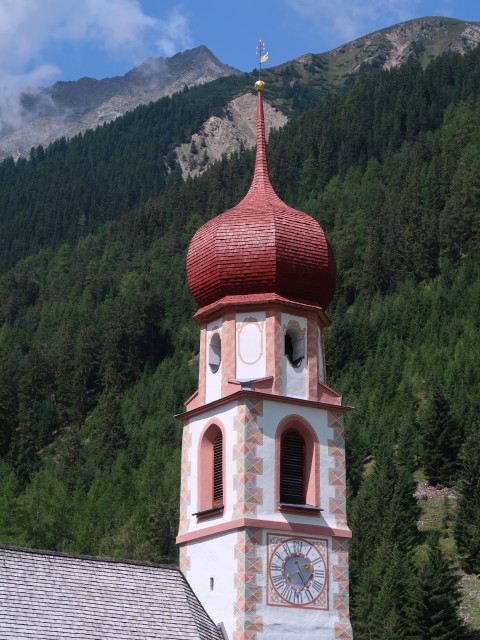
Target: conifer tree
392, 614
437, 616
467, 522
11, 524
441, 437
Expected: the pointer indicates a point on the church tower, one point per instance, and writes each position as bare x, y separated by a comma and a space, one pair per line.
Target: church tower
263, 531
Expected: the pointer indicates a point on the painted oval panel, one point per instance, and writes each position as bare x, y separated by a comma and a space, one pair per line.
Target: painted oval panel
250, 342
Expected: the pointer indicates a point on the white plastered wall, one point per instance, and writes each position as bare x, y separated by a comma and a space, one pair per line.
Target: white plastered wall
214, 559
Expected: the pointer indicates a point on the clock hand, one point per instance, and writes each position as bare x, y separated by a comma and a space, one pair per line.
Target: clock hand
301, 576
300, 573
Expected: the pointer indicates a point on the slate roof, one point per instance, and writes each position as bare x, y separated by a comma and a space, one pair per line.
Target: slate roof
54, 596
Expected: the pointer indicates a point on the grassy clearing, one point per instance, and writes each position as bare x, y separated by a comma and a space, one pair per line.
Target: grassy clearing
438, 508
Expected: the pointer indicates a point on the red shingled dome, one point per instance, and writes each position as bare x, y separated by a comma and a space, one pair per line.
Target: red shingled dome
261, 246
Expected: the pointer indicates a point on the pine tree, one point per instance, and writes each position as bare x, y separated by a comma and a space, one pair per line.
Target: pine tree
437, 598
467, 522
8, 404
441, 437
11, 529
391, 616
45, 512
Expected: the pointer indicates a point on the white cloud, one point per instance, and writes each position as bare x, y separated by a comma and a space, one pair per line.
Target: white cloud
12, 113
175, 34
120, 28
353, 18
28, 26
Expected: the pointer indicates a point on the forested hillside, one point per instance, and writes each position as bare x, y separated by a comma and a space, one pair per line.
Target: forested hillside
98, 350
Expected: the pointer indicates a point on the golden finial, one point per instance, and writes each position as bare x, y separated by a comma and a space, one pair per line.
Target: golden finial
262, 57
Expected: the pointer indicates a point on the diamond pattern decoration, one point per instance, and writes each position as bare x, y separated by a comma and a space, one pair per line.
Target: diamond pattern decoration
254, 407
340, 602
248, 465
185, 493
184, 560
249, 565
337, 505
252, 465
335, 419
340, 574
336, 477
244, 635
336, 474
339, 544
343, 629
335, 448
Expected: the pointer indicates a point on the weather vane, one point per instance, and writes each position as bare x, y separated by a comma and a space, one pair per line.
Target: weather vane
262, 56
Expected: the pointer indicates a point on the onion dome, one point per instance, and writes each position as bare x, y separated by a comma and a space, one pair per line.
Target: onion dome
261, 246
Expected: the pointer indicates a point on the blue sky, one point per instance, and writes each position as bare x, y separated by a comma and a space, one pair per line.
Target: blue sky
42, 41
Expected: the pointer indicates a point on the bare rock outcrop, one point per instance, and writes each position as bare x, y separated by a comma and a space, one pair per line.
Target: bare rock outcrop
227, 133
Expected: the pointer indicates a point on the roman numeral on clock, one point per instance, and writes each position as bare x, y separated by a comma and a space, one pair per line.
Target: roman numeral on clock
287, 593
278, 581
317, 586
298, 597
297, 546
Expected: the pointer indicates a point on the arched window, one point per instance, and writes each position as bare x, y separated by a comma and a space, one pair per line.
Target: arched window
297, 457
292, 468
294, 346
218, 470
215, 353
211, 472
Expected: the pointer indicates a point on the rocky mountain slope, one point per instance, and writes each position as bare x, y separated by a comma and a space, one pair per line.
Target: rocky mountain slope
226, 133
68, 108
422, 39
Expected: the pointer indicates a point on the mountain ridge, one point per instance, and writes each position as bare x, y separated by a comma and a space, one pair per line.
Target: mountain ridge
71, 107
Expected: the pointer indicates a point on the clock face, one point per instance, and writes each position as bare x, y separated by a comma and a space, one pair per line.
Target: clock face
297, 571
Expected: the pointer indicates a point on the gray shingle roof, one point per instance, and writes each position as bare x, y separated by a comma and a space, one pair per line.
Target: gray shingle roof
53, 596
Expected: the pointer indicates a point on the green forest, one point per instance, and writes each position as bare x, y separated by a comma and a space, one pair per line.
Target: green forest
98, 350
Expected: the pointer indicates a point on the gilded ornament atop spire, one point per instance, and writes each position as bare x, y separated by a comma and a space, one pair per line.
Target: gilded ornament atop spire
262, 57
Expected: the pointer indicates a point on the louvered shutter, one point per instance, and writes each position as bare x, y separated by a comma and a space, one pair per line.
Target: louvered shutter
218, 471
292, 468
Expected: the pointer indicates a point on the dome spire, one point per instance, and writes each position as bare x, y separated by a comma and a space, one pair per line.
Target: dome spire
261, 249
261, 185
